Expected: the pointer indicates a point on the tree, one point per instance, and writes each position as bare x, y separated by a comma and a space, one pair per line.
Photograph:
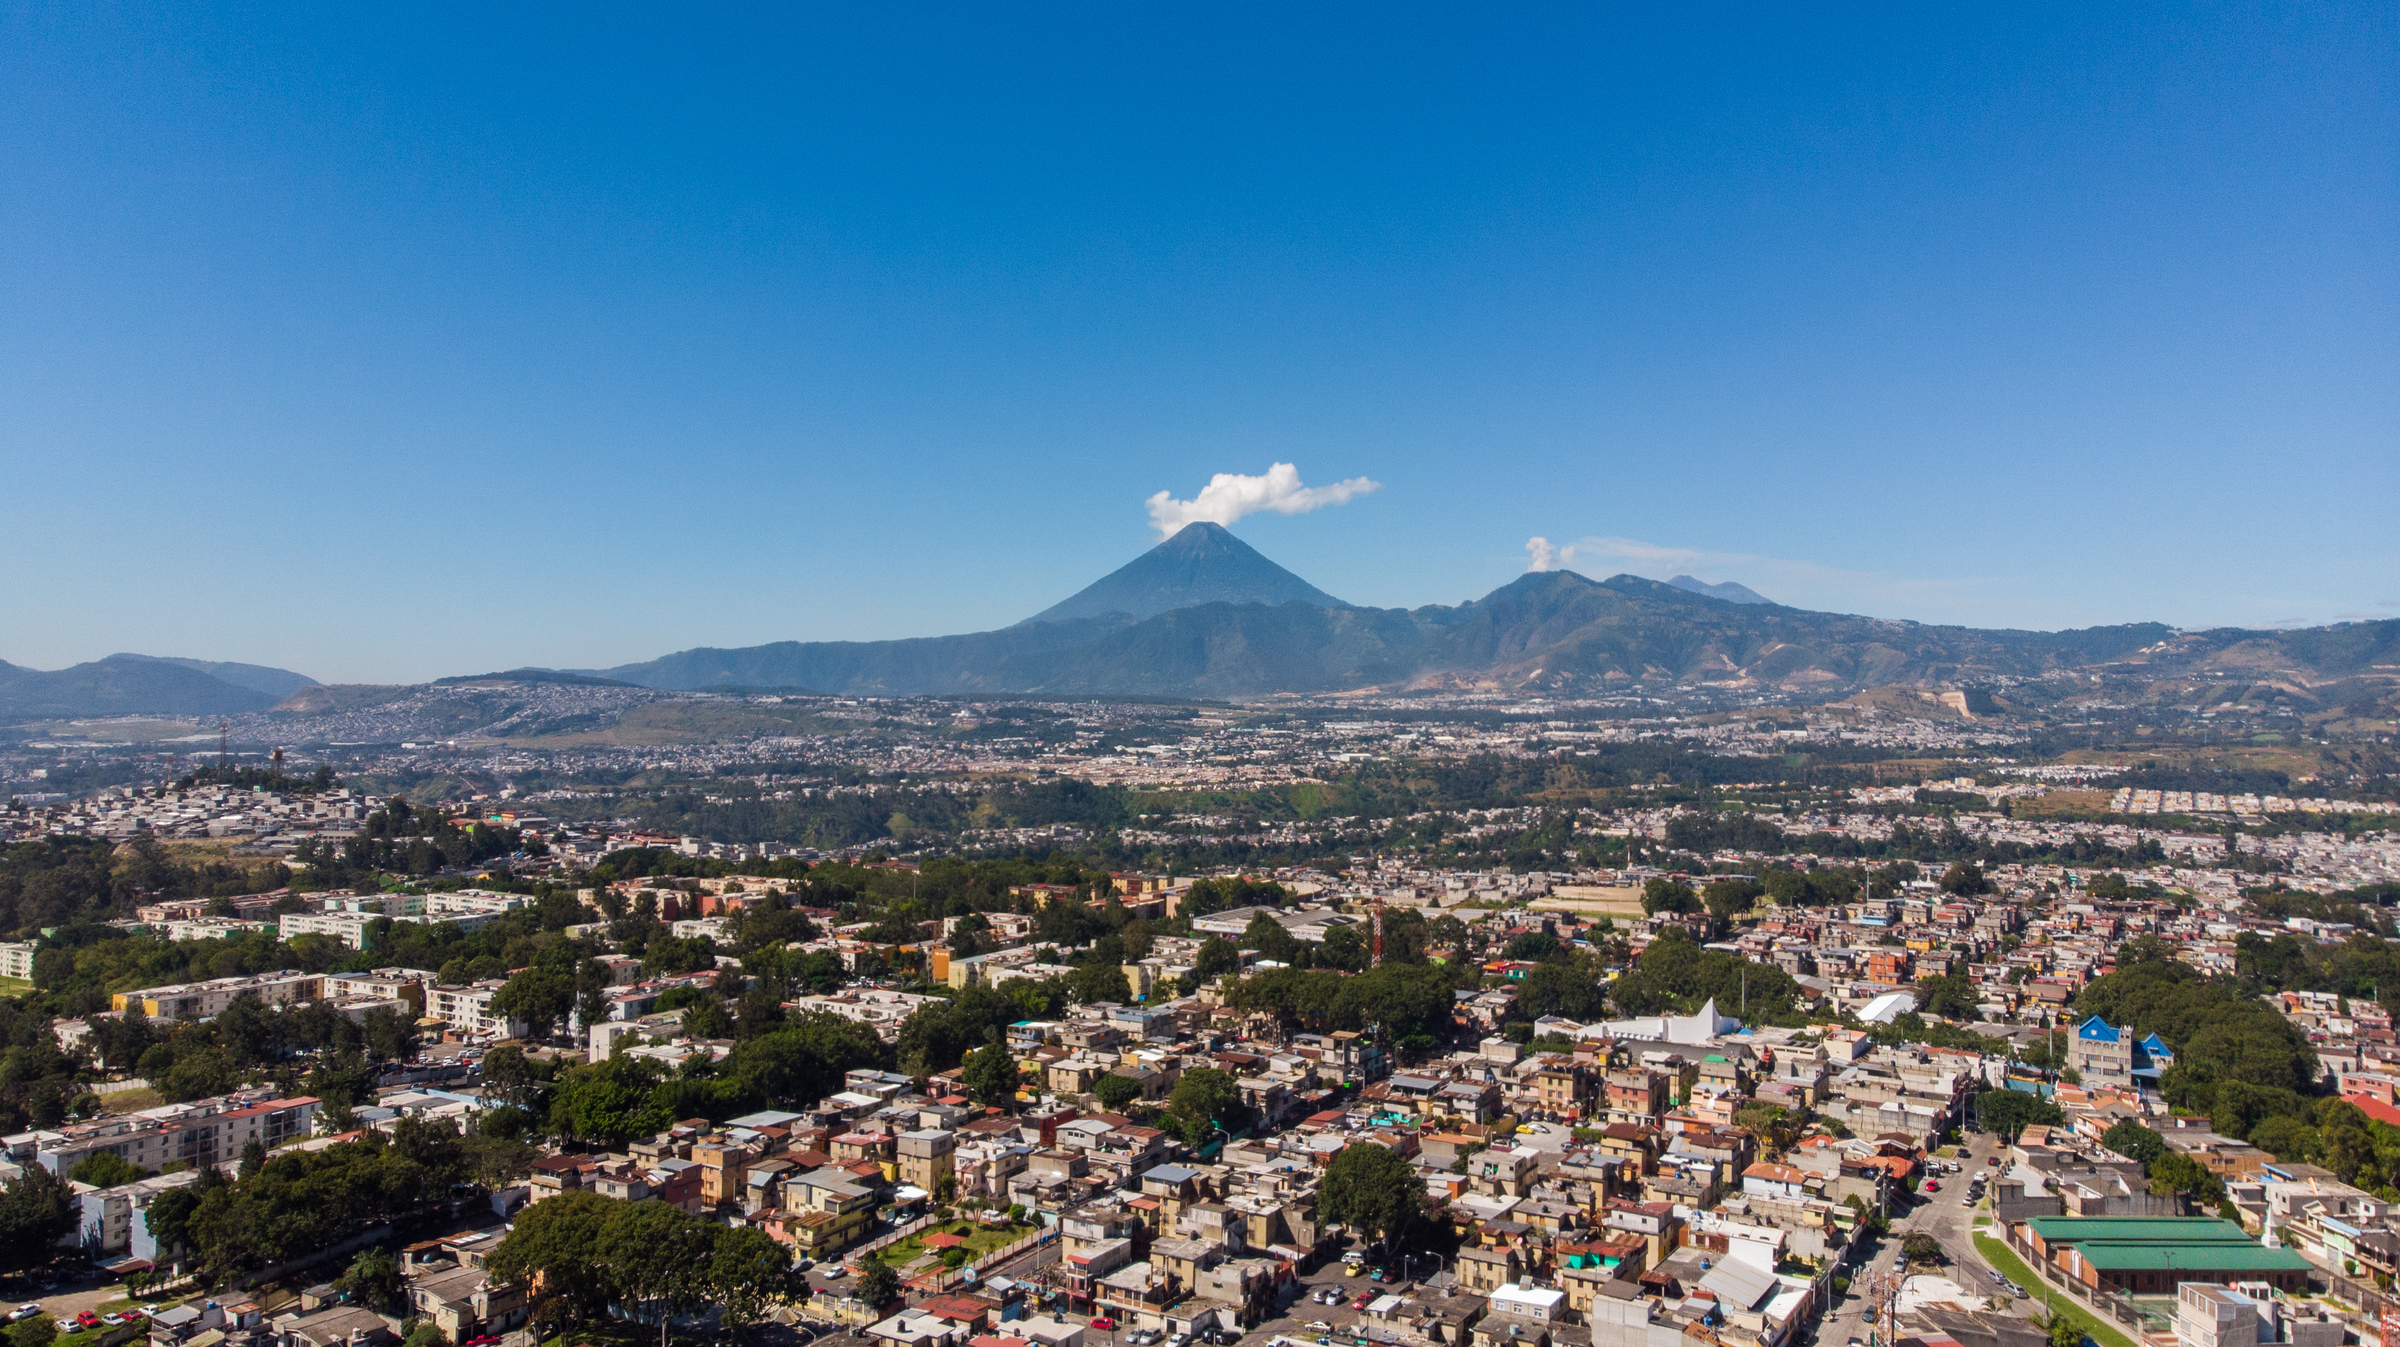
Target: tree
105, 1169
2009, 1112
1965, 878
1918, 1247
747, 1272
541, 997
1729, 898
1203, 1097
1575, 991
1373, 1191
707, 1019
2183, 1174
254, 1157
1951, 996
1115, 1091
1270, 938
37, 1210
1216, 956
877, 1284
1662, 894
2286, 1138
2135, 1142
1534, 947
374, 1281
991, 1076
2063, 1331
1098, 981
658, 1255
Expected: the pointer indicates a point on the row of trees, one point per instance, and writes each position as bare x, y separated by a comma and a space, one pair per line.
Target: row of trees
587, 1255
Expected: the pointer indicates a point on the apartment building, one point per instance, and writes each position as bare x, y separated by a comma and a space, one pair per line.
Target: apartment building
206, 1000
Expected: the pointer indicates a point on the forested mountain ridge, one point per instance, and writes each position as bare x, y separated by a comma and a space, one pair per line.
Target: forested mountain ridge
1553, 629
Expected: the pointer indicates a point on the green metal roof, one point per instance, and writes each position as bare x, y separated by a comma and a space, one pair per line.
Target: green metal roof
2192, 1258
2138, 1230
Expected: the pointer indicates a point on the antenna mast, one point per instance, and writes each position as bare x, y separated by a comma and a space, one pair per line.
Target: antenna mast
224, 752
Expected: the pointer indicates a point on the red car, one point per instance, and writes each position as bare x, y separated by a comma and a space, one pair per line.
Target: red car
1933, 1185
1362, 1302
1105, 1325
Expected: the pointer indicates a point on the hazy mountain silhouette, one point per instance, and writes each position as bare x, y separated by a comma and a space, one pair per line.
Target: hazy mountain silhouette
125, 685
1203, 563
1728, 591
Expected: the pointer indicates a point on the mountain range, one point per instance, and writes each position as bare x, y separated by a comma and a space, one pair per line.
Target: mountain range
1203, 614
144, 685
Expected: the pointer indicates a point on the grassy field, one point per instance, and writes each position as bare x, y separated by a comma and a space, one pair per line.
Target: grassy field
981, 1239
1591, 900
15, 986
2012, 1267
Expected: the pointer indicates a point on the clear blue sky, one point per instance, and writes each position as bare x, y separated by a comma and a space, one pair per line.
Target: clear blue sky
391, 342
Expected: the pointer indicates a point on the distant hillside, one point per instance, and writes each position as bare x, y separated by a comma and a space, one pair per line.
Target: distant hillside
1201, 564
122, 685
1554, 629
276, 683
1728, 591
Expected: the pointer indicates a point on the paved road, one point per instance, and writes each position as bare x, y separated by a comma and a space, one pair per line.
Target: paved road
1947, 1217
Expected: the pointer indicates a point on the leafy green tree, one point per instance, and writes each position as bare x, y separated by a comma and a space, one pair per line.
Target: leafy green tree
254, 1157
2009, 1112
541, 997
37, 1210
1919, 1247
609, 1101
1662, 894
1372, 1190
374, 1281
748, 1273
991, 1076
104, 1169
1098, 981
1204, 1097
1950, 995
877, 1284
707, 1019
2183, 1174
1115, 1092
1965, 878
2135, 1142
1534, 947
557, 1244
658, 1255
1577, 991
1217, 956
1730, 898
2286, 1138
1270, 938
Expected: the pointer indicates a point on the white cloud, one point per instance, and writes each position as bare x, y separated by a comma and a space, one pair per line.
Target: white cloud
1230, 495
1546, 557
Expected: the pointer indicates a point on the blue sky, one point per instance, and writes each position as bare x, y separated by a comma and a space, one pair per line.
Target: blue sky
386, 344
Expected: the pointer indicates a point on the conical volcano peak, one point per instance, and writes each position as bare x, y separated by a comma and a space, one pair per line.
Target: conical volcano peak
1202, 563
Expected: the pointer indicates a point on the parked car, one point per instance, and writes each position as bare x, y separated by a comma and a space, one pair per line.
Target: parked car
1362, 1302
1105, 1324
1933, 1185
25, 1311
69, 1325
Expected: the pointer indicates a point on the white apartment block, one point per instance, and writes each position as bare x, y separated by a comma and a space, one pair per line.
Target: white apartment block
16, 959
205, 1000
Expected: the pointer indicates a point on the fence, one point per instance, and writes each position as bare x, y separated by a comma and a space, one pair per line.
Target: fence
856, 1257
2100, 1298
943, 1279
